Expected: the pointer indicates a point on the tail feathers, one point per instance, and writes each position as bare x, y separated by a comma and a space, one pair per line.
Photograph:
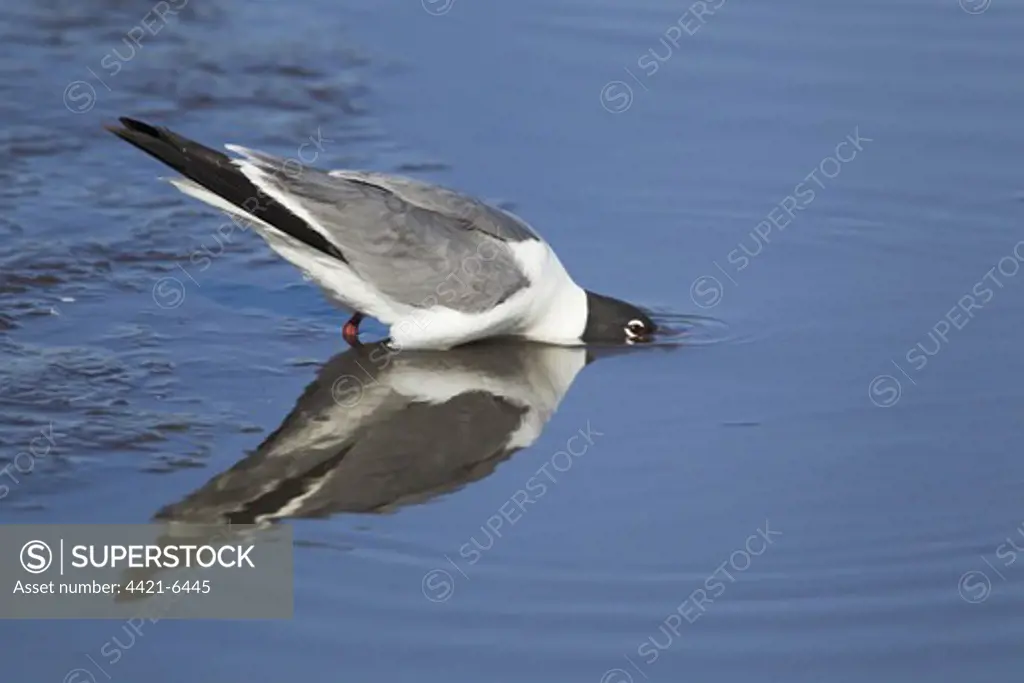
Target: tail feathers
220, 177
197, 191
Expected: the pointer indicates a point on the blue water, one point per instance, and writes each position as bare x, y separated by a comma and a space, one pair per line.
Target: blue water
850, 405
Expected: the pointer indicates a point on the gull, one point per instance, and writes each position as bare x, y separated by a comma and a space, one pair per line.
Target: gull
440, 268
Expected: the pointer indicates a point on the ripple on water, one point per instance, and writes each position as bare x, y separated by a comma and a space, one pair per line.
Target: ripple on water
92, 404
689, 330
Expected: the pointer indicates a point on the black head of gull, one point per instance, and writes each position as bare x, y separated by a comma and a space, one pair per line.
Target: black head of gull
611, 321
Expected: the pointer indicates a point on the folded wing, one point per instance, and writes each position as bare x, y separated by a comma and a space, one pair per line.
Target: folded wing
418, 244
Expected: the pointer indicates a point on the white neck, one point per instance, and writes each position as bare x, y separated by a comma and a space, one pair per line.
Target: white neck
557, 311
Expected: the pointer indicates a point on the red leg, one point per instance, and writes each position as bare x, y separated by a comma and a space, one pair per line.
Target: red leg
350, 332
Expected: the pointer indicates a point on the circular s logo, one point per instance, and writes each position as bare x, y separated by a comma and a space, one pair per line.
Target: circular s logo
438, 585
975, 587
79, 97
616, 676
706, 291
437, 8
168, 292
616, 97
884, 391
975, 6
79, 676
36, 557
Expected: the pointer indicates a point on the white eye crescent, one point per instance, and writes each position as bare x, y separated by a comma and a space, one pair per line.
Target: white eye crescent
634, 329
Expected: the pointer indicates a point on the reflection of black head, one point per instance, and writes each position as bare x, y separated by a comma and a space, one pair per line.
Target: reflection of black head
612, 321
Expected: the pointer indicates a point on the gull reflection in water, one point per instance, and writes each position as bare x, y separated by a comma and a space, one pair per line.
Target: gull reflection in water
379, 429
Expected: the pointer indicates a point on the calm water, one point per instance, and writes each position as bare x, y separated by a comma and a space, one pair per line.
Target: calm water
825, 488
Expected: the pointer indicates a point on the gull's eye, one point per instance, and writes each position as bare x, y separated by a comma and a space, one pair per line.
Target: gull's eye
635, 328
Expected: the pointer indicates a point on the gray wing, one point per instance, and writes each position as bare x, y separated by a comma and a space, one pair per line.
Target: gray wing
420, 244
478, 215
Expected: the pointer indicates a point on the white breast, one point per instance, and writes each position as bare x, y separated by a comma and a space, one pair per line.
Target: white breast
557, 310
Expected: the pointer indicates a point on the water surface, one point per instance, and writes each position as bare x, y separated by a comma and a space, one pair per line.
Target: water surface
798, 499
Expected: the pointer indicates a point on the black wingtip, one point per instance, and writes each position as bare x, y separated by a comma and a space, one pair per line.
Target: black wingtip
130, 125
217, 173
139, 126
